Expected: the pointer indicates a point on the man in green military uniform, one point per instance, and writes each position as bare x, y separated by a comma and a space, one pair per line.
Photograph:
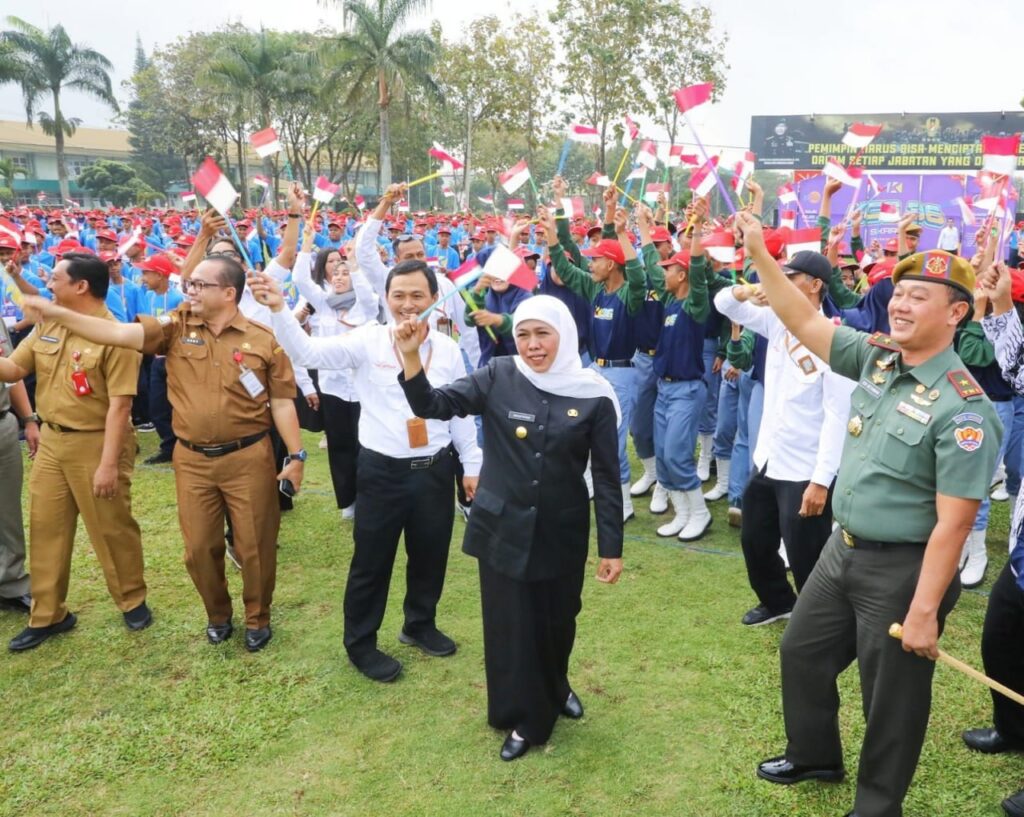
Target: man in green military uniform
922, 442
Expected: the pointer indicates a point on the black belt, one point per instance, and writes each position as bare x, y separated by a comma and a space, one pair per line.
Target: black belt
613, 364
857, 543
407, 463
677, 379
224, 448
64, 429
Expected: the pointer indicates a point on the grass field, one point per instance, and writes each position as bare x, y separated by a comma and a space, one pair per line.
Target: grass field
682, 701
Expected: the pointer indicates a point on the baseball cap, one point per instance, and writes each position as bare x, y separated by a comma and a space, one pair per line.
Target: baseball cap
681, 258
660, 234
810, 263
607, 248
158, 263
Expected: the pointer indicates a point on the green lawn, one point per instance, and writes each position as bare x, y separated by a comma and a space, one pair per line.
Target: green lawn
682, 701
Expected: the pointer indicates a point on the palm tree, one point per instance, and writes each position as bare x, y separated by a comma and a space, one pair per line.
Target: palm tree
386, 60
8, 171
47, 62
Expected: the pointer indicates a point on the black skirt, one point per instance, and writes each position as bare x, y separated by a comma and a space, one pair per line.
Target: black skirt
529, 631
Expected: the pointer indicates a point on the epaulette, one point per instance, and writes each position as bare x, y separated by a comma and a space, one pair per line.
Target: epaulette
965, 385
883, 341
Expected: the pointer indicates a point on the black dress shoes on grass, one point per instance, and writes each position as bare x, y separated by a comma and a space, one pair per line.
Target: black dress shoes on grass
514, 747
432, 642
219, 633
781, 771
139, 618
991, 742
573, 707
256, 640
377, 666
32, 637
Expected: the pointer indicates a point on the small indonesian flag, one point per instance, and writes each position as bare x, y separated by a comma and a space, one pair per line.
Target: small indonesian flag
672, 156
874, 186
360, 202
648, 155
324, 191
630, 134
515, 204
638, 172
451, 164
265, 142
584, 133
447, 192
965, 203
693, 95
574, 207
469, 272
188, 197
515, 177
721, 246
507, 266
742, 171
42, 197
702, 180
133, 240
849, 176
888, 212
860, 135
261, 181
403, 206
787, 219
214, 186
786, 194
800, 240
11, 229
652, 191
999, 153
488, 200
599, 179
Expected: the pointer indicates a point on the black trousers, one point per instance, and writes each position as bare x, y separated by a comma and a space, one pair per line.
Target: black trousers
341, 425
771, 510
392, 499
1002, 653
529, 632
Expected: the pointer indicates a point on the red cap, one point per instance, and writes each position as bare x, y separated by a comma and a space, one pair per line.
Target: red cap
775, 242
881, 269
106, 235
891, 246
593, 227
1017, 285
158, 263
106, 256
525, 252
660, 234
185, 240
607, 248
444, 230
9, 242
681, 258
69, 245
478, 236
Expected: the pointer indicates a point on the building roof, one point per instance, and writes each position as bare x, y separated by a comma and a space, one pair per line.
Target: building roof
16, 136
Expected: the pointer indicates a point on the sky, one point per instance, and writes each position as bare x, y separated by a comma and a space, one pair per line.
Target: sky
797, 56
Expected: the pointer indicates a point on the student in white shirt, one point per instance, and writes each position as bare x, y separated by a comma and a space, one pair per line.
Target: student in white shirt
799, 445
406, 471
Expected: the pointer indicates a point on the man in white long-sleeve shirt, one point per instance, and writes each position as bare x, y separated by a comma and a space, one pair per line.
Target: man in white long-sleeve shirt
799, 445
406, 470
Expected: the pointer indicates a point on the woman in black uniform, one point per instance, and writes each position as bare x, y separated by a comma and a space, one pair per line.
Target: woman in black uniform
543, 416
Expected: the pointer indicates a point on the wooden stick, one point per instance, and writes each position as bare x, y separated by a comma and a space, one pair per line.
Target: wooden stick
896, 631
423, 179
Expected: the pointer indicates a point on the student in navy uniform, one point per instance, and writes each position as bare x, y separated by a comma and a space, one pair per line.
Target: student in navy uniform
543, 416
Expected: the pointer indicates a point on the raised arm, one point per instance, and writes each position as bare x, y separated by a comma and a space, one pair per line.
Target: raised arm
210, 225
97, 330
296, 199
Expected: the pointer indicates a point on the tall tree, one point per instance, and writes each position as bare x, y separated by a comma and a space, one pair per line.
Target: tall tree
387, 60
48, 62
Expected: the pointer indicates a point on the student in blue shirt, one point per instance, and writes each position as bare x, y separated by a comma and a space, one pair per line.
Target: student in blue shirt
447, 256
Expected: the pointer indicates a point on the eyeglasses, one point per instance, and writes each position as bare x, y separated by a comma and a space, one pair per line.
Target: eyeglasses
222, 253
197, 286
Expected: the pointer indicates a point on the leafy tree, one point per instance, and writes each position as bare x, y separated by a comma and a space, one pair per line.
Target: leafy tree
116, 182
48, 62
8, 172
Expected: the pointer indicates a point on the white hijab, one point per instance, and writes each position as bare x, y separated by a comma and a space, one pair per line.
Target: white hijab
566, 377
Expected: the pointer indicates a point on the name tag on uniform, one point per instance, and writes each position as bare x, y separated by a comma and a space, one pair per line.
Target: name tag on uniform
914, 413
251, 383
526, 418
194, 341
870, 388
48, 339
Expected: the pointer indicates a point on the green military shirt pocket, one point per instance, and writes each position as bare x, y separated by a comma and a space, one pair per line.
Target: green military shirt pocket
901, 445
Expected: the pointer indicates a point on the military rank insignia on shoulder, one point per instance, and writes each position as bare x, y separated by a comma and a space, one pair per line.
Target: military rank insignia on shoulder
883, 341
965, 385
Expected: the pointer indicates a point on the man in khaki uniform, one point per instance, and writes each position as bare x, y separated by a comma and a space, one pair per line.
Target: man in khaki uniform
227, 381
86, 455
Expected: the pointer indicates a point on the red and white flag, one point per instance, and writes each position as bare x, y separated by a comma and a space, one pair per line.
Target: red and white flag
584, 133
702, 180
214, 186
261, 181
403, 206
574, 207
672, 155
447, 192
488, 200
599, 179
324, 191
742, 171
786, 194
648, 155
449, 162
359, 202
888, 212
652, 191
964, 203
507, 266
787, 219
467, 273
806, 239
849, 176
860, 135
693, 95
515, 204
265, 142
134, 239
999, 153
631, 132
721, 246
188, 197
515, 177
638, 172
9, 228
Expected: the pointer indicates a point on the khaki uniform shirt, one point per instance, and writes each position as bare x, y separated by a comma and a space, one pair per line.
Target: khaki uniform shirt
913, 432
211, 404
54, 352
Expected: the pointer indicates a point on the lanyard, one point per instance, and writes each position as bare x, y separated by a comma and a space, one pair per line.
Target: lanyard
425, 364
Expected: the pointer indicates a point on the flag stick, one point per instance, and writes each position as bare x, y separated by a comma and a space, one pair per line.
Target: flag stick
714, 170
536, 192
800, 207
471, 278
473, 308
625, 194
424, 179
566, 147
241, 246
622, 164
664, 181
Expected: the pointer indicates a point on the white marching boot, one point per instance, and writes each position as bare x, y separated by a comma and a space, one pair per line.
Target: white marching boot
704, 460
973, 570
700, 517
627, 503
721, 488
643, 485
659, 499
678, 522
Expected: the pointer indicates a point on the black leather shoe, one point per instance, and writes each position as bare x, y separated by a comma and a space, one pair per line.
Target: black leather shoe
16, 604
1014, 804
139, 618
256, 640
779, 770
514, 748
432, 642
158, 458
219, 633
377, 666
34, 636
573, 707
990, 742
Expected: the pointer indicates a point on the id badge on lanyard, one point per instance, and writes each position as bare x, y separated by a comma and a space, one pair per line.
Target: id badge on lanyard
247, 377
79, 380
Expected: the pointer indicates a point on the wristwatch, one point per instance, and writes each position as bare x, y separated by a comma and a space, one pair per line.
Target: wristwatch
300, 455
32, 418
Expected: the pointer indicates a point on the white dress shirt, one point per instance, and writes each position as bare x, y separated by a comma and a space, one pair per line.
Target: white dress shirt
806, 404
369, 351
949, 239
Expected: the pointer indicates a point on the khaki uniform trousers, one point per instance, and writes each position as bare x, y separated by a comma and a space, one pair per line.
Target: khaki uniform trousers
13, 578
61, 489
244, 484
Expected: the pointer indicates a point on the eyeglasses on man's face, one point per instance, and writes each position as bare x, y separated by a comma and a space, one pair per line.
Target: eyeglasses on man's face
191, 284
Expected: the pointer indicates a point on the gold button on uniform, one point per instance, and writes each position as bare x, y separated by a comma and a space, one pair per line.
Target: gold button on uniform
521, 433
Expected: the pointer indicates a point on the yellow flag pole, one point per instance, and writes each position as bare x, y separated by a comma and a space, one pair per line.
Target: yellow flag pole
424, 179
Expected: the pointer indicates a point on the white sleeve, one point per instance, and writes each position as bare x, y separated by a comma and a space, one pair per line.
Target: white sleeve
277, 272
367, 301
837, 391
755, 318
331, 352
303, 380
303, 278
463, 431
367, 256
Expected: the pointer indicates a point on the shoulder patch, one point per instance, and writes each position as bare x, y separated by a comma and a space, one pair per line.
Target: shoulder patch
965, 385
883, 341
